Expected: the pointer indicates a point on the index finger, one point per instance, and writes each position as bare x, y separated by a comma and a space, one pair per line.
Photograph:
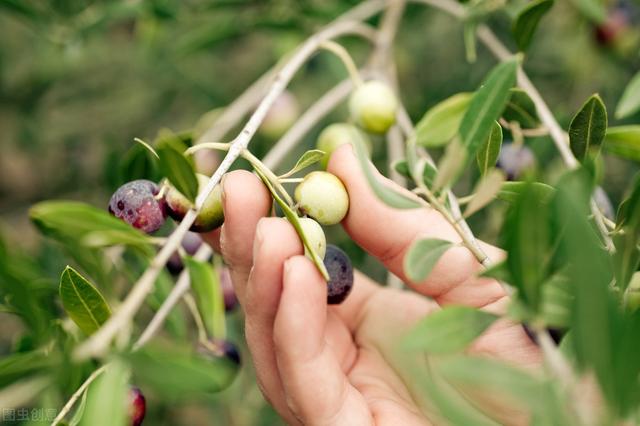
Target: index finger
387, 233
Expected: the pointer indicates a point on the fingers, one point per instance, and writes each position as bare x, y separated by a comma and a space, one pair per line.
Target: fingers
387, 234
245, 201
316, 387
275, 241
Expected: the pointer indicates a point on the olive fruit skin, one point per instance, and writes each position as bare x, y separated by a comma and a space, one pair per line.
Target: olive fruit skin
315, 236
323, 197
137, 406
334, 136
282, 114
514, 160
341, 277
228, 292
211, 215
135, 202
220, 348
373, 106
190, 243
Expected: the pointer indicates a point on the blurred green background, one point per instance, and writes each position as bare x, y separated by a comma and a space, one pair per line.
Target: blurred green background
80, 79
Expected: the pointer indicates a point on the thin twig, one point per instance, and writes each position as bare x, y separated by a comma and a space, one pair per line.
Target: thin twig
347, 60
69, 405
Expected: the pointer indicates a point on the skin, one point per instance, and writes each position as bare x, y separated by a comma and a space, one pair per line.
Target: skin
347, 351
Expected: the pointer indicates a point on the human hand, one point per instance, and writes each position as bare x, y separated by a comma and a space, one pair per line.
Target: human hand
319, 364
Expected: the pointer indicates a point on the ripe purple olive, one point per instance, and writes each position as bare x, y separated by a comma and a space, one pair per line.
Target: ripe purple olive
334, 136
373, 106
323, 197
190, 243
514, 160
228, 292
210, 217
340, 271
608, 32
137, 406
220, 348
135, 202
282, 114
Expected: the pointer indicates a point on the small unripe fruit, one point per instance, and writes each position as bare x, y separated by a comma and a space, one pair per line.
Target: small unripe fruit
282, 114
210, 217
137, 406
336, 135
373, 106
315, 236
322, 196
135, 202
220, 348
228, 292
340, 271
514, 160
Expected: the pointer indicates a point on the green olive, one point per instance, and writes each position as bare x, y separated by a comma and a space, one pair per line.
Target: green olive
336, 135
315, 236
211, 215
373, 106
322, 196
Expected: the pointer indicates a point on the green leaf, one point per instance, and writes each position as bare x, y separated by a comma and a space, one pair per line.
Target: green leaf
510, 191
77, 415
630, 101
451, 165
402, 168
485, 191
295, 221
449, 330
387, 195
106, 400
137, 163
487, 105
527, 21
556, 302
469, 30
624, 141
592, 9
527, 240
588, 127
521, 109
307, 159
206, 286
498, 271
70, 220
441, 122
490, 150
627, 237
176, 372
82, 301
24, 364
422, 257
175, 167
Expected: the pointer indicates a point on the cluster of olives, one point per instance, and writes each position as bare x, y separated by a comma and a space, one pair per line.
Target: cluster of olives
140, 204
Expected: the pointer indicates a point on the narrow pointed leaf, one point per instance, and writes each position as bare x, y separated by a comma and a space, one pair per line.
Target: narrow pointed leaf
449, 330
307, 159
451, 165
387, 195
588, 127
510, 191
441, 122
624, 141
487, 105
630, 101
488, 154
208, 294
82, 301
485, 192
106, 397
175, 167
520, 108
422, 257
527, 21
